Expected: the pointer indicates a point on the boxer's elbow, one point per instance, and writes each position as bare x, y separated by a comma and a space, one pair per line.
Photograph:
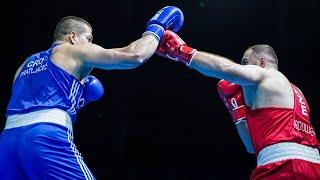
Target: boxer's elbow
131, 61
137, 60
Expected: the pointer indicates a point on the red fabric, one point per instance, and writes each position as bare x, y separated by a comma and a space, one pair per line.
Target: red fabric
289, 169
272, 125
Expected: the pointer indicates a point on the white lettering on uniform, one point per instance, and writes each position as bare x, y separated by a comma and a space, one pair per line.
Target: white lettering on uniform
34, 67
301, 126
302, 104
35, 63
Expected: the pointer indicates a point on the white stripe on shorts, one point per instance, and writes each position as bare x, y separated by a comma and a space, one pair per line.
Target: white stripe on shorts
86, 172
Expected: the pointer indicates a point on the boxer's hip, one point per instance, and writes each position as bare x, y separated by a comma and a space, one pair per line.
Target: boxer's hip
53, 116
37, 131
286, 161
287, 150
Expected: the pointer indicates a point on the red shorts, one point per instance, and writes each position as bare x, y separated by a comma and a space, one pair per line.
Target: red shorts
288, 169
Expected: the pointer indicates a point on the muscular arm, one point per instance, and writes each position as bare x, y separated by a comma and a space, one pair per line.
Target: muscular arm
220, 67
131, 56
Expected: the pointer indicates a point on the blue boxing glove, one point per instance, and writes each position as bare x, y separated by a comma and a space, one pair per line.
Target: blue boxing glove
93, 89
169, 17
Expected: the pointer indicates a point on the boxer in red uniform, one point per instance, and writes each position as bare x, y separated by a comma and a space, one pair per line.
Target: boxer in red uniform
271, 114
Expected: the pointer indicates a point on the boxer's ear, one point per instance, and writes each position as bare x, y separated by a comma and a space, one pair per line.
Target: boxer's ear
72, 37
262, 62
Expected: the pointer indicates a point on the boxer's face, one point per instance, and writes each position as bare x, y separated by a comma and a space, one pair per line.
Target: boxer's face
249, 59
84, 37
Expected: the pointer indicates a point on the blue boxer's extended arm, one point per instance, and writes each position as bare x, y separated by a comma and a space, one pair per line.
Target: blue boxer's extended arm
134, 54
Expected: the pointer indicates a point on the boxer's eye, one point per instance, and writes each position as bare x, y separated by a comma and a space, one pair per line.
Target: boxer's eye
244, 61
90, 38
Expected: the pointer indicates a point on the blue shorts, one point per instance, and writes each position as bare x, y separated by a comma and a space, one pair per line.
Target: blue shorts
40, 151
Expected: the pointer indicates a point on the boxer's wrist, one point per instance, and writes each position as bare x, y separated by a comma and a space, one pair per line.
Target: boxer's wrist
154, 29
186, 54
174, 48
239, 114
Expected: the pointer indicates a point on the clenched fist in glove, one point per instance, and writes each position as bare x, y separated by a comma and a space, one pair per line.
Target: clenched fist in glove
232, 96
169, 17
93, 89
173, 47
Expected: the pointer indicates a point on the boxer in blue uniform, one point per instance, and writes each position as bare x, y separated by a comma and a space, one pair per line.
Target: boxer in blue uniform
51, 86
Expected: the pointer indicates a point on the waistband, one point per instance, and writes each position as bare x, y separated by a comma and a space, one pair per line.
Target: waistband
287, 150
56, 116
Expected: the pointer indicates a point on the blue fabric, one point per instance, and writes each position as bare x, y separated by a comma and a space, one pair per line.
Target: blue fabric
40, 151
43, 85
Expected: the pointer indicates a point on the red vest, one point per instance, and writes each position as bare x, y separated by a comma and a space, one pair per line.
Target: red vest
272, 125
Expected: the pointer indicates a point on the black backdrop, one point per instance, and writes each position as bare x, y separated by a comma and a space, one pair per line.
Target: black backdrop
164, 120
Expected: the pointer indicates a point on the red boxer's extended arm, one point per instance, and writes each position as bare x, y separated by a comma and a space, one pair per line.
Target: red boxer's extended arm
173, 47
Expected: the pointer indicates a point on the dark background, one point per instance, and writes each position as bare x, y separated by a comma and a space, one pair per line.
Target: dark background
163, 120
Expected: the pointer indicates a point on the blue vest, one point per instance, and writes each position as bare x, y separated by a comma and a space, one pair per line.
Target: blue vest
43, 85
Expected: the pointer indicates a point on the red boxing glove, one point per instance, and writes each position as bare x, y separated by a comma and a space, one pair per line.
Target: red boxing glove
173, 47
232, 96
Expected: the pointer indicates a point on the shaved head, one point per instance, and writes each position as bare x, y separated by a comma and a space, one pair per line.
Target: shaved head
70, 24
265, 51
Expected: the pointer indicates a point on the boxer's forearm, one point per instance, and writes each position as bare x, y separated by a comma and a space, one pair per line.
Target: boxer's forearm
243, 131
128, 57
143, 47
211, 65
216, 66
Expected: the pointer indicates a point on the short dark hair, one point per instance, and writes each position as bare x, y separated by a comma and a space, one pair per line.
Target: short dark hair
68, 24
266, 50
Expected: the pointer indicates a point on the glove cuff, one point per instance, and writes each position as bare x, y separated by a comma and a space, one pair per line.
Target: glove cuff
155, 30
186, 54
239, 113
